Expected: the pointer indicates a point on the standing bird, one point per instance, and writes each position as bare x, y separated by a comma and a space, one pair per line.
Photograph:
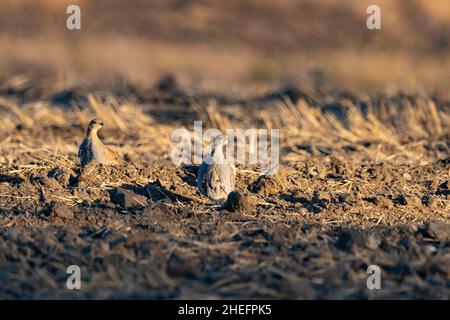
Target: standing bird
92, 148
216, 175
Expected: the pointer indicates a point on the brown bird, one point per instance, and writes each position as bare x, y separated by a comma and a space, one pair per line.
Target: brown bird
215, 178
92, 148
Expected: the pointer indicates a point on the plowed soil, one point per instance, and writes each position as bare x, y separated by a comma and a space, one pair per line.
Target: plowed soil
339, 202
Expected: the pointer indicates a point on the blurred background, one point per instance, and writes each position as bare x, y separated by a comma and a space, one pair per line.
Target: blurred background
233, 43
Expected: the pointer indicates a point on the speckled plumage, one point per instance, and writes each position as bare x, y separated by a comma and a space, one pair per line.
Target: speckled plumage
216, 176
92, 148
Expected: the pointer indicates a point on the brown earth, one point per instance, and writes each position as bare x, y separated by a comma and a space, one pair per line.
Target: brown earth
363, 180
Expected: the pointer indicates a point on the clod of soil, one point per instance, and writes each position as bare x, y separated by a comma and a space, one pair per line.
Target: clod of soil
239, 202
60, 210
269, 185
127, 198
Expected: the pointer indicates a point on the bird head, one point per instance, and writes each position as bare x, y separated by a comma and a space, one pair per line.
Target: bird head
94, 125
220, 140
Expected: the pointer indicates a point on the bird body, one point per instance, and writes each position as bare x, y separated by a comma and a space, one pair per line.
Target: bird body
216, 175
92, 148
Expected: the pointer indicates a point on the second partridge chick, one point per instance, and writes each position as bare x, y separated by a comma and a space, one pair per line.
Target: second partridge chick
216, 175
92, 148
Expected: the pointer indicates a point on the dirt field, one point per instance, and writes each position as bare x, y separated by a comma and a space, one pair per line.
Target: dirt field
362, 181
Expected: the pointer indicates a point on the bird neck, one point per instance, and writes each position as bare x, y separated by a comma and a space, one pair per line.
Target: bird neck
217, 154
92, 133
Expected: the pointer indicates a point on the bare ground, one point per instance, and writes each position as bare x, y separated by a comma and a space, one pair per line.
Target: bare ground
363, 180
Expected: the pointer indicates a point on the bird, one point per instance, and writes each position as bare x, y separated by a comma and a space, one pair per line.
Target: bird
216, 176
92, 148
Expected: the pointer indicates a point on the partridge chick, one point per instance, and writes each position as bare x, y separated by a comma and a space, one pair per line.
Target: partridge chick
92, 148
216, 175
